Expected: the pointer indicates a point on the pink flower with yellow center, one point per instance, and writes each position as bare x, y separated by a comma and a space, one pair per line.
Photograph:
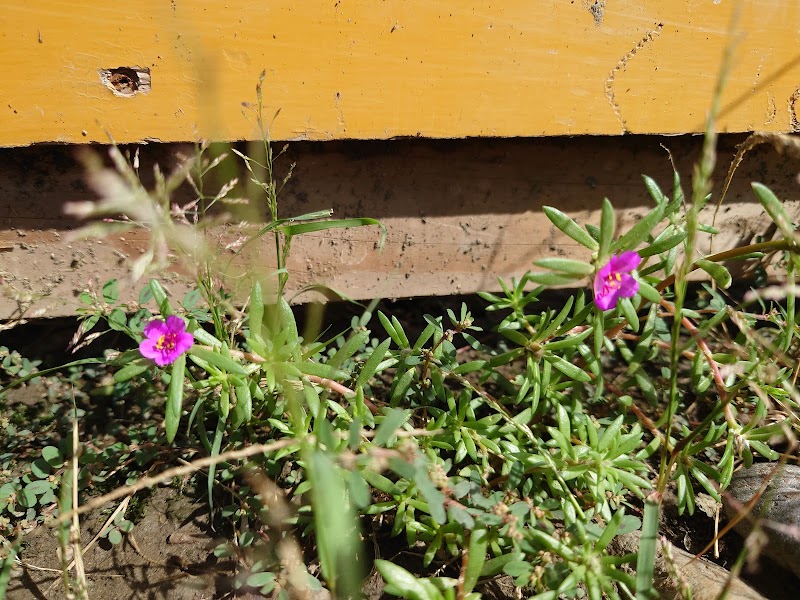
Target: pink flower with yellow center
614, 280
164, 341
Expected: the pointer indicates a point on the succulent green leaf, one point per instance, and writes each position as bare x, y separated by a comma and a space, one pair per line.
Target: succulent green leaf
476, 557
775, 209
371, 364
647, 551
648, 292
160, 296
406, 584
565, 265
654, 190
554, 279
255, 315
175, 397
639, 232
221, 361
662, 245
351, 346
718, 272
571, 228
393, 419
131, 370
567, 368
335, 525
608, 224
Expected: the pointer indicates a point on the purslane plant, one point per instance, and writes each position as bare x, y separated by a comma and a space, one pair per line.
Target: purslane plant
524, 458
521, 474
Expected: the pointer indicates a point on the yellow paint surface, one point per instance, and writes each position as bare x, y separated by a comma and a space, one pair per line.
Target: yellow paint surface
370, 69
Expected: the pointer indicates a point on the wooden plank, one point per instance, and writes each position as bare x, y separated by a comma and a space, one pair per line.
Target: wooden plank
359, 69
458, 213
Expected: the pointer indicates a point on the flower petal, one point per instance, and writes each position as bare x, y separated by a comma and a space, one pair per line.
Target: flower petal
606, 269
183, 341
175, 324
606, 301
165, 358
599, 284
147, 348
628, 286
155, 329
625, 262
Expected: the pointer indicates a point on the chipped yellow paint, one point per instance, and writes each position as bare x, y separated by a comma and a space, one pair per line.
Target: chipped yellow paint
367, 69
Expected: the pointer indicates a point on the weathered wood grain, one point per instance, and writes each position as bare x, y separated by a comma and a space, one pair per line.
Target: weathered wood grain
458, 213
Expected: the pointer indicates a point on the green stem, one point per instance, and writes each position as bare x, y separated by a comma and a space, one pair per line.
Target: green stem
733, 253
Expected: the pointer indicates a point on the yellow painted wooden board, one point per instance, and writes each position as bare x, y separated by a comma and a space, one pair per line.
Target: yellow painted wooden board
369, 69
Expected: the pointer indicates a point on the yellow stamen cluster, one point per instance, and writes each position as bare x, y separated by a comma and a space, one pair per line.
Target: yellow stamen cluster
166, 342
613, 280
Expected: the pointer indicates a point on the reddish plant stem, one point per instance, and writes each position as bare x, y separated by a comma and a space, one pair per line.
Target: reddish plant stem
719, 381
333, 386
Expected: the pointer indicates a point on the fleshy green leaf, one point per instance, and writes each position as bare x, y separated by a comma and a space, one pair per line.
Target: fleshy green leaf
566, 367
222, 362
478, 542
639, 232
662, 245
175, 397
565, 265
775, 209
393, 419
554, 278
203, 337
647, 550
403, 581
648, 292
131, 370
371, 364
321, 370
718, 272
160, 296
654, 190
571, 228
255, 315
607, 227
336, 526
350, 347
432, 495
289, 325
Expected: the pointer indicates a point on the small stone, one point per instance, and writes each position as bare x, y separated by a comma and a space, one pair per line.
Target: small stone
779, 507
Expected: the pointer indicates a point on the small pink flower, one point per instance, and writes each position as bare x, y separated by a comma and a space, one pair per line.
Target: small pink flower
165, 341
614, 280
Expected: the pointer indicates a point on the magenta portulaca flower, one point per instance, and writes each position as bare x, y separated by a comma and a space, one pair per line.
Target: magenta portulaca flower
614, 280
164, 341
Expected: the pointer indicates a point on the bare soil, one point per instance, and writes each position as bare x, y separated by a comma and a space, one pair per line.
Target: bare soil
168, 556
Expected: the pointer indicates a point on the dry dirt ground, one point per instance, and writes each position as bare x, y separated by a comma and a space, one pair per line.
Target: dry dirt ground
168, 556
